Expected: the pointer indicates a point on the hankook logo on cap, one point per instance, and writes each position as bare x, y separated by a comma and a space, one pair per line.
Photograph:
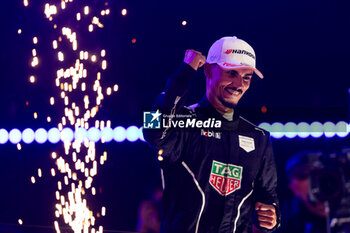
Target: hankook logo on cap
240, 51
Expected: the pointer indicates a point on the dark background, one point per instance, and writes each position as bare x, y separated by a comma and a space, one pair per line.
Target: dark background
302, 49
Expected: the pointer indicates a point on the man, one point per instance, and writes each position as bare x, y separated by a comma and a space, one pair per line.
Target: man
300, 213
215, 179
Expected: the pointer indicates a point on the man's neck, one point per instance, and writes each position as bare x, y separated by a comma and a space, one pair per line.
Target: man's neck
227, 115
226, 112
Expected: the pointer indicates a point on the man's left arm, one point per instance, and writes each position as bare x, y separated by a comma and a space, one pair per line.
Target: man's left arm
267, 211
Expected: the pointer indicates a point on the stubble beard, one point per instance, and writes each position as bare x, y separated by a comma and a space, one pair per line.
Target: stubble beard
227, 104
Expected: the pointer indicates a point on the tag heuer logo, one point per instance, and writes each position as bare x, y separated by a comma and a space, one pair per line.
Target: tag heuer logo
225, 178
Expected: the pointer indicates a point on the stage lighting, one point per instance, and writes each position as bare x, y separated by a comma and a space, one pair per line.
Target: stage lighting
329, 129
277, 130
342, 129
54, 135
67, 135
316, 129
265, 126
40, 135
119, 134
132, 133
80, 134
141, 134
15, 136
4, 136
290, 130
106, 134
28, 136
94, 134
303, 130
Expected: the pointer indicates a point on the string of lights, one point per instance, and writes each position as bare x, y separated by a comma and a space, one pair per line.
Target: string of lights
133, 133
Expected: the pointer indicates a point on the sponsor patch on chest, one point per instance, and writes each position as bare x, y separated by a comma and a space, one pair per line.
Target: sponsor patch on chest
225, 178
246, 143
208, 133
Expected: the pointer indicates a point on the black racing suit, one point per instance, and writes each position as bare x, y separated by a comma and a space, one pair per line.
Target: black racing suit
212, 177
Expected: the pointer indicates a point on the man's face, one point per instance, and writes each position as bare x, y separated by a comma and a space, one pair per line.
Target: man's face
226, 87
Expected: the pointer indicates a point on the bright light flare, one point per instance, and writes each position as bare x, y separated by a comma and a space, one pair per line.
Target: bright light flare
115, 87
60, 56
86, 10
54, 44
32, 79
76, 171
53, 172
109, 91
104, 64
50, 10
91, 28
39, 172
35, 62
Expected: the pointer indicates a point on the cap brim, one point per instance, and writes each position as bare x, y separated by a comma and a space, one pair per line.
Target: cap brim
234, 67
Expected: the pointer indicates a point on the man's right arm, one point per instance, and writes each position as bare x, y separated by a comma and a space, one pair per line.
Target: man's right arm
178, 84
170, 102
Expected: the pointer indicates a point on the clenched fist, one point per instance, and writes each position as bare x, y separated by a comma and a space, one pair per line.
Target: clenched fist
194, 58
266, 215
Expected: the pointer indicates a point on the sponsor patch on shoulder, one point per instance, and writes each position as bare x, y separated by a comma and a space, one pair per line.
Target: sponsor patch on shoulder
246, 143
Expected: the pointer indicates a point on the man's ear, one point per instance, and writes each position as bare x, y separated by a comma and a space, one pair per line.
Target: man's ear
207, 70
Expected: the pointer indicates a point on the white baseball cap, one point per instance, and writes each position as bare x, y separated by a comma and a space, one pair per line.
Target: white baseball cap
231, 53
